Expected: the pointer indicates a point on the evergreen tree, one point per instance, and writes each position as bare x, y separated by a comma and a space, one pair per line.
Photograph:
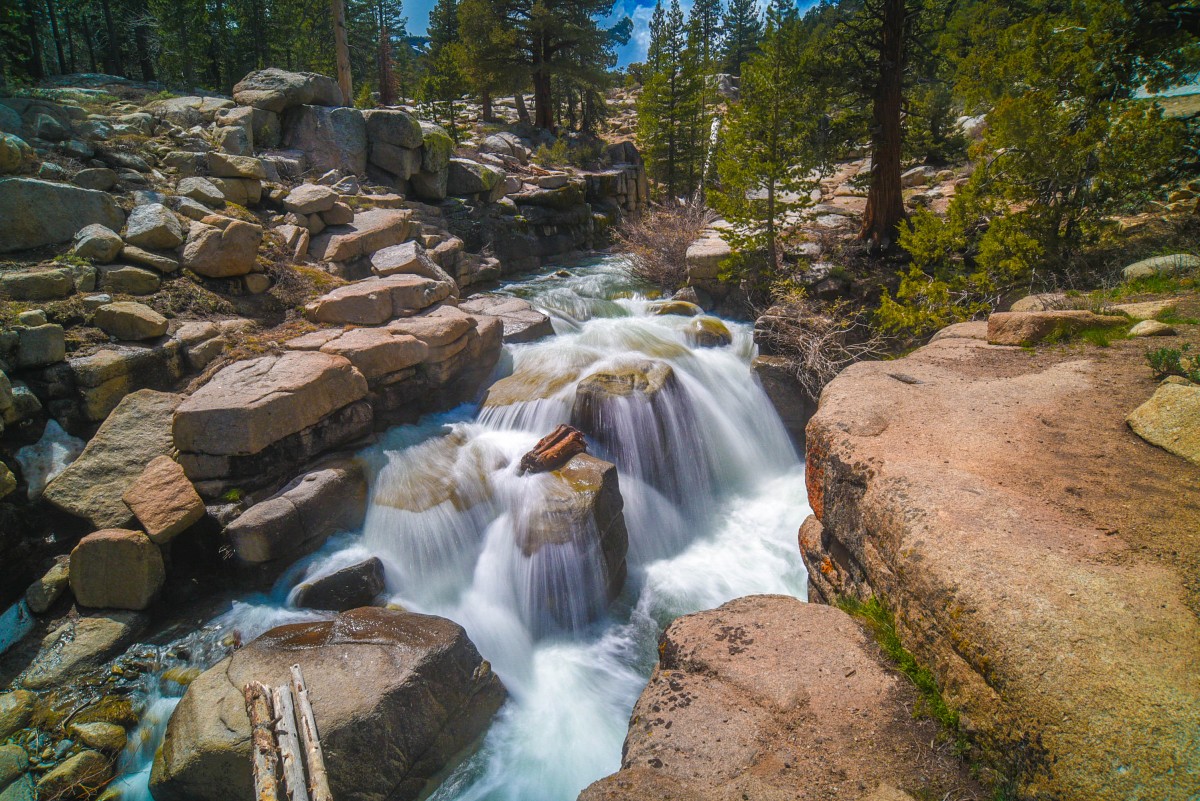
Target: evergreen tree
704, 34
444, 82
741, 28
654, 54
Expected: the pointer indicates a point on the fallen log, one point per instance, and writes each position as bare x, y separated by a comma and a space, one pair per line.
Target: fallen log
289, 745
318, 779
553, 450
264, 762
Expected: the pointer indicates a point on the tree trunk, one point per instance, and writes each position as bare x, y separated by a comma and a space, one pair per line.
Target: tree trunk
290, 762
885, 201
387, 81
34, 65
112, 54
318, 778
543, 98
141, 39
338, 8
62, 62
485, 102
89, 40
522, 109
264, 761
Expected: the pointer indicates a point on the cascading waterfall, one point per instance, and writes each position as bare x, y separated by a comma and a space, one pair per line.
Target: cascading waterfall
713, 495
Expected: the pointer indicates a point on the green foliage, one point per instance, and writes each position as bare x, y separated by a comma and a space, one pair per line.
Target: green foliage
741, 30
563, 153
1179, 361
877, 617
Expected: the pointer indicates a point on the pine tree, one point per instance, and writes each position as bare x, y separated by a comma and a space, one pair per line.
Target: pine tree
741, 28
704, 34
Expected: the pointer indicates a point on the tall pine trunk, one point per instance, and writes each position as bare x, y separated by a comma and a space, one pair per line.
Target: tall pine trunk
885, 201
485, 103
543, 98
89, 40
112, 54
58, 47
338, 9
522, 109
34, 65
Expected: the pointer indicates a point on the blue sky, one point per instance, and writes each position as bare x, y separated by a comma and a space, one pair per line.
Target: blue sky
639, 11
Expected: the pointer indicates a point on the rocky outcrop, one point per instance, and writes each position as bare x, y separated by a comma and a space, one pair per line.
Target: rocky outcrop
421, 696
769, 697
996, 499
369, 232
330, 138
277, 90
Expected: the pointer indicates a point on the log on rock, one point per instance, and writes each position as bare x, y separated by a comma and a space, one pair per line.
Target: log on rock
553, 451
266, 764
318, 778
289, 744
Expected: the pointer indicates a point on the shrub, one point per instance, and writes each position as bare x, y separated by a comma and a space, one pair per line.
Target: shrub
657, 241
1175, 361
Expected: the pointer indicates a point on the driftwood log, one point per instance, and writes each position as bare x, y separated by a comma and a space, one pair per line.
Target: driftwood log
289, 744
553, 451
318, 780
262, 741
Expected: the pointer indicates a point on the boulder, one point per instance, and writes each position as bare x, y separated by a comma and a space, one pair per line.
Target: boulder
44, 284
393, 127
422, 695
373, 301
251, 404
331, 138
522, 322
97, 243
14, 761
1029, 328
401, 162
648, 380
240, 191
1171, 419
278, 90
201, 190
682, 308
431, 185
408, 257
164, 264
1152, 328
708, 332
349, 588
106, 737
573, 533
469, 178
137, 431
40, 345
227, 165
1162, 265
126, 280
38, 213
339, 214
163, 500
76, 776
130, 321
302, 515
43, 593
706, 255
506, 144
15, 154
153, 225
791, 401
189, 111
80, 646
310, 199
16, 711
116, 569
371, 231
374, 352
769, 697
99, 178
216, 253
436, 148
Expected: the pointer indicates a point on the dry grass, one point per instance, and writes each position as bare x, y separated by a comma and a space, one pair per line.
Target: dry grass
657, 242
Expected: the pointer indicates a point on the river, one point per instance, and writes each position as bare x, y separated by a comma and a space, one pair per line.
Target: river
713, 491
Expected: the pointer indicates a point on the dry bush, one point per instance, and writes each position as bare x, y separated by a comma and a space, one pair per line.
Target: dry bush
656, 242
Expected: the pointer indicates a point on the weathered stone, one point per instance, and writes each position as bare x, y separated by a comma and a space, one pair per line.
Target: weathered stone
522, 322
80, 646
23, 789
77, 776
401, 162
153, 225
41, 344
1171, 419
377, 352
240, 191
1152, 328
467, 178
278, 90
106, 737
164, 264
215, 253
1029, 328
346, 589
103, 378
14, 761
127, 280
310, 199
201, 190
1162, 265
331, 138
99, 178
15, 154
38, 213
422, 696
227, 165
373, 301
437, 331
769, 697
44, 592
394, 127
431, 185
371, 231
8, 482
681, 308
130, 321
137, 431
16, 711
36, 285
250, 404
98, 243
340, 214
163, 500
706, 255
116, 569
708, 332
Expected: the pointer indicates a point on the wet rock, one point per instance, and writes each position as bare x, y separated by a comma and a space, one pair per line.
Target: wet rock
98, 243
125, 280
331, 138
250, 404
13, 762
1171, 419
742, 693
137, 431
376, 300
130, 321
778, 378
278, 90
422, 696
522, 322
153, 225
80, 646
106, 737
16, 711
682, 308
1162, 265
346, 589
44, 592
370, 231
116, 569
1030, 328
301, 516
76, 777
310, 199
708, 332
214, 252
8, 482
645, 381
553, 450
163, 500
38, 213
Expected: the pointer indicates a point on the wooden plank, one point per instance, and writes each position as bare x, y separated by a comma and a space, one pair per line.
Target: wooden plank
262, 741
318, 779
289, 745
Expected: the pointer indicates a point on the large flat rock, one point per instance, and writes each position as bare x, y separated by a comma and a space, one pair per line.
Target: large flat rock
768, 697
251, 404
1043, 560
370, 231
375, 300
37, 213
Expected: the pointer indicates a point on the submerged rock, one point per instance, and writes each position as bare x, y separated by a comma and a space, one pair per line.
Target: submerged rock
80, 646
343, 590
398, 698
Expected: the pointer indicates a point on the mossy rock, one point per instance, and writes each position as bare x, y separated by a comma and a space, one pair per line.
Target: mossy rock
708, 332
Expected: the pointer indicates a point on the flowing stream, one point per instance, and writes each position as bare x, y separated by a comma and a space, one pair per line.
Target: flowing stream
713, 495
